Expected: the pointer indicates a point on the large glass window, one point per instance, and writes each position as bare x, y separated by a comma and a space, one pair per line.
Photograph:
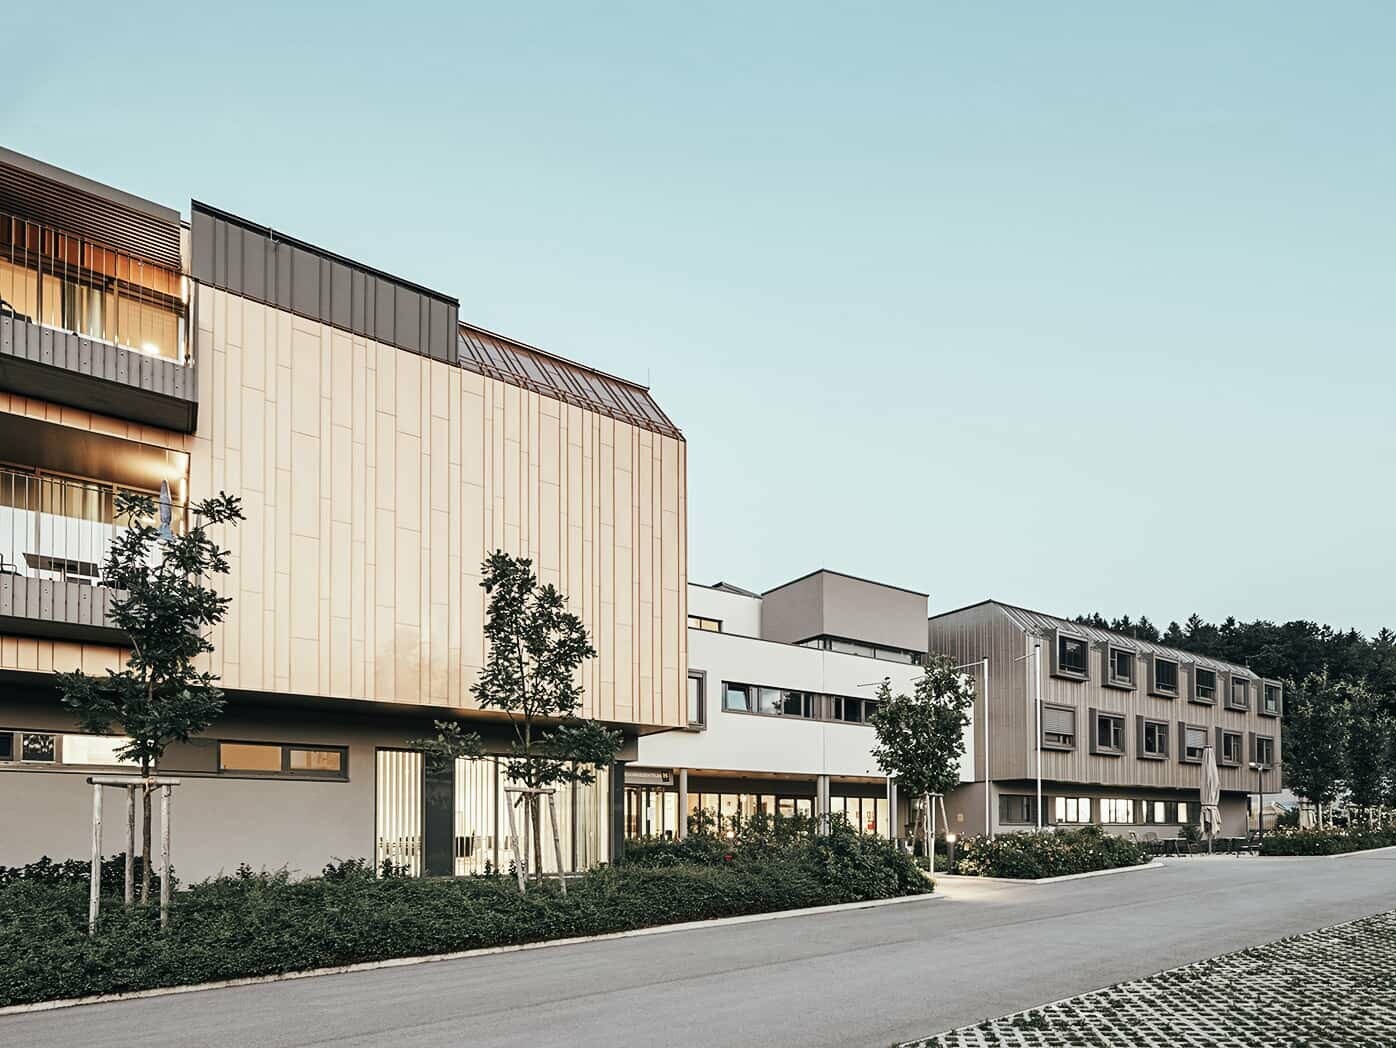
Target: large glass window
1116, 810
698, 622
398, 810
71, 284
38, 747
1017, 808
1271, 702
1240, 695
1072, 809
44, 747
1072, 656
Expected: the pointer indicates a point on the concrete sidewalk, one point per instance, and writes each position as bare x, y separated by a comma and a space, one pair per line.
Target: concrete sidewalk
863, 977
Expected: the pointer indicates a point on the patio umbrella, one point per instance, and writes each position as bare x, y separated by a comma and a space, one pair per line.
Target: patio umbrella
166, 511
1211, 796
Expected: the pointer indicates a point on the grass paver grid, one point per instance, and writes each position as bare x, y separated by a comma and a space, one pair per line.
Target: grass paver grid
1331, 988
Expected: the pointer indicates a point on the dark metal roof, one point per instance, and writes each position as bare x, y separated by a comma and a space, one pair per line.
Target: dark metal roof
49, 195
496, 356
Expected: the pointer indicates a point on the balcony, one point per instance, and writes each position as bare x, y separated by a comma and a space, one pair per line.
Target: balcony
54, 536
93, 327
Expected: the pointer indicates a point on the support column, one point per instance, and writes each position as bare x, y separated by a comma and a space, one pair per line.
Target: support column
438, 819
682, 829
617, 813
821, 803
894, 829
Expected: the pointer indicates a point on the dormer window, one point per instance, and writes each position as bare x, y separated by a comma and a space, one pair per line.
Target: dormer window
1204, 685
1238, 697
1121, 663
1072, 657
1165, 677
1271, 694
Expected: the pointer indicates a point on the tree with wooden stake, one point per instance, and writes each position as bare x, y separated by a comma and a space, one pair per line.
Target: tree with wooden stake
536, 647
920, 737
164, 605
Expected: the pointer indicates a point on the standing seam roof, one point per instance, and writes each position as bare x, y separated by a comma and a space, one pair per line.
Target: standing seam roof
528, 367
1037, 622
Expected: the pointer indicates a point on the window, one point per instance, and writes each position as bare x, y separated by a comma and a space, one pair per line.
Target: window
1270, 702
1153, 738
1121, 667
1160, 813
697, 713
1116, 810
1231, 748
1072, 657
1109, 734
1204, 687
276, 758
698, 622
1017, 809
45, 747
1263, 749
38, 747
1194, 742
853, 711
736, 697
769, 702
1058, 727
1165, 676
1072, 809
1239, 697
868, 651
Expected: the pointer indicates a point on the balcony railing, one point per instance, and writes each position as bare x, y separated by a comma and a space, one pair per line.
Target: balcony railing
58, 529
69, 283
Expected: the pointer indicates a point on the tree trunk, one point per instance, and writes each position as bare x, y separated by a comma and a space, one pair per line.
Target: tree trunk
145, 833
535, 814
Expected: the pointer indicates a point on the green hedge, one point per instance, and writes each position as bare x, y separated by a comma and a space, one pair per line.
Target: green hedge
1326, 842
1035, 855
260, 924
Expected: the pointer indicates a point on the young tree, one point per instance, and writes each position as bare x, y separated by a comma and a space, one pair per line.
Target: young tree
1315, 739
164, 605
535, 649
1369, 748
920, 737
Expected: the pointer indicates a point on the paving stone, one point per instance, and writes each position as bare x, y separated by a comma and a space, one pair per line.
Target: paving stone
1332, 988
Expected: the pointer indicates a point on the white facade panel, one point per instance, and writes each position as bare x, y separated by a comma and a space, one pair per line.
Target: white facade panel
752, 743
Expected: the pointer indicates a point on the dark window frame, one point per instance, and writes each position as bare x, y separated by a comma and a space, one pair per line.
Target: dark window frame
1196, 690
1160, 690
1266, 688
701, 724
1051, 744
1024, 801
701, 622
1059, 669
1222, 759
1232, 680
286, 772
809, 700
1145, 723
1183, 728
1063, 800
1256, 739
1123, 684
1099, 717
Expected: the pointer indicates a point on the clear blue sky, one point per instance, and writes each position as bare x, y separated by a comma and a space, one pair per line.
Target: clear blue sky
1082, 306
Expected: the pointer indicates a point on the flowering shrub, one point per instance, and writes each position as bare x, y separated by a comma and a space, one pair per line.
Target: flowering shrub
1326, 841
1034, 855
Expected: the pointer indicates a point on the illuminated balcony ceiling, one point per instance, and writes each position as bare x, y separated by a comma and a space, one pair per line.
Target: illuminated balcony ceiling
54, 197
534, 369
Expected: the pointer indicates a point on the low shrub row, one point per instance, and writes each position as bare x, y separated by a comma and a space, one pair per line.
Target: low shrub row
1031, 856
1335, 841
259, 924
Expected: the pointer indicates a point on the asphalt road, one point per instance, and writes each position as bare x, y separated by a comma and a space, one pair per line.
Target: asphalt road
859, 977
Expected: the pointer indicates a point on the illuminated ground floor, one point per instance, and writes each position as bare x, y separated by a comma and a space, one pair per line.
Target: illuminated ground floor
278, 786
